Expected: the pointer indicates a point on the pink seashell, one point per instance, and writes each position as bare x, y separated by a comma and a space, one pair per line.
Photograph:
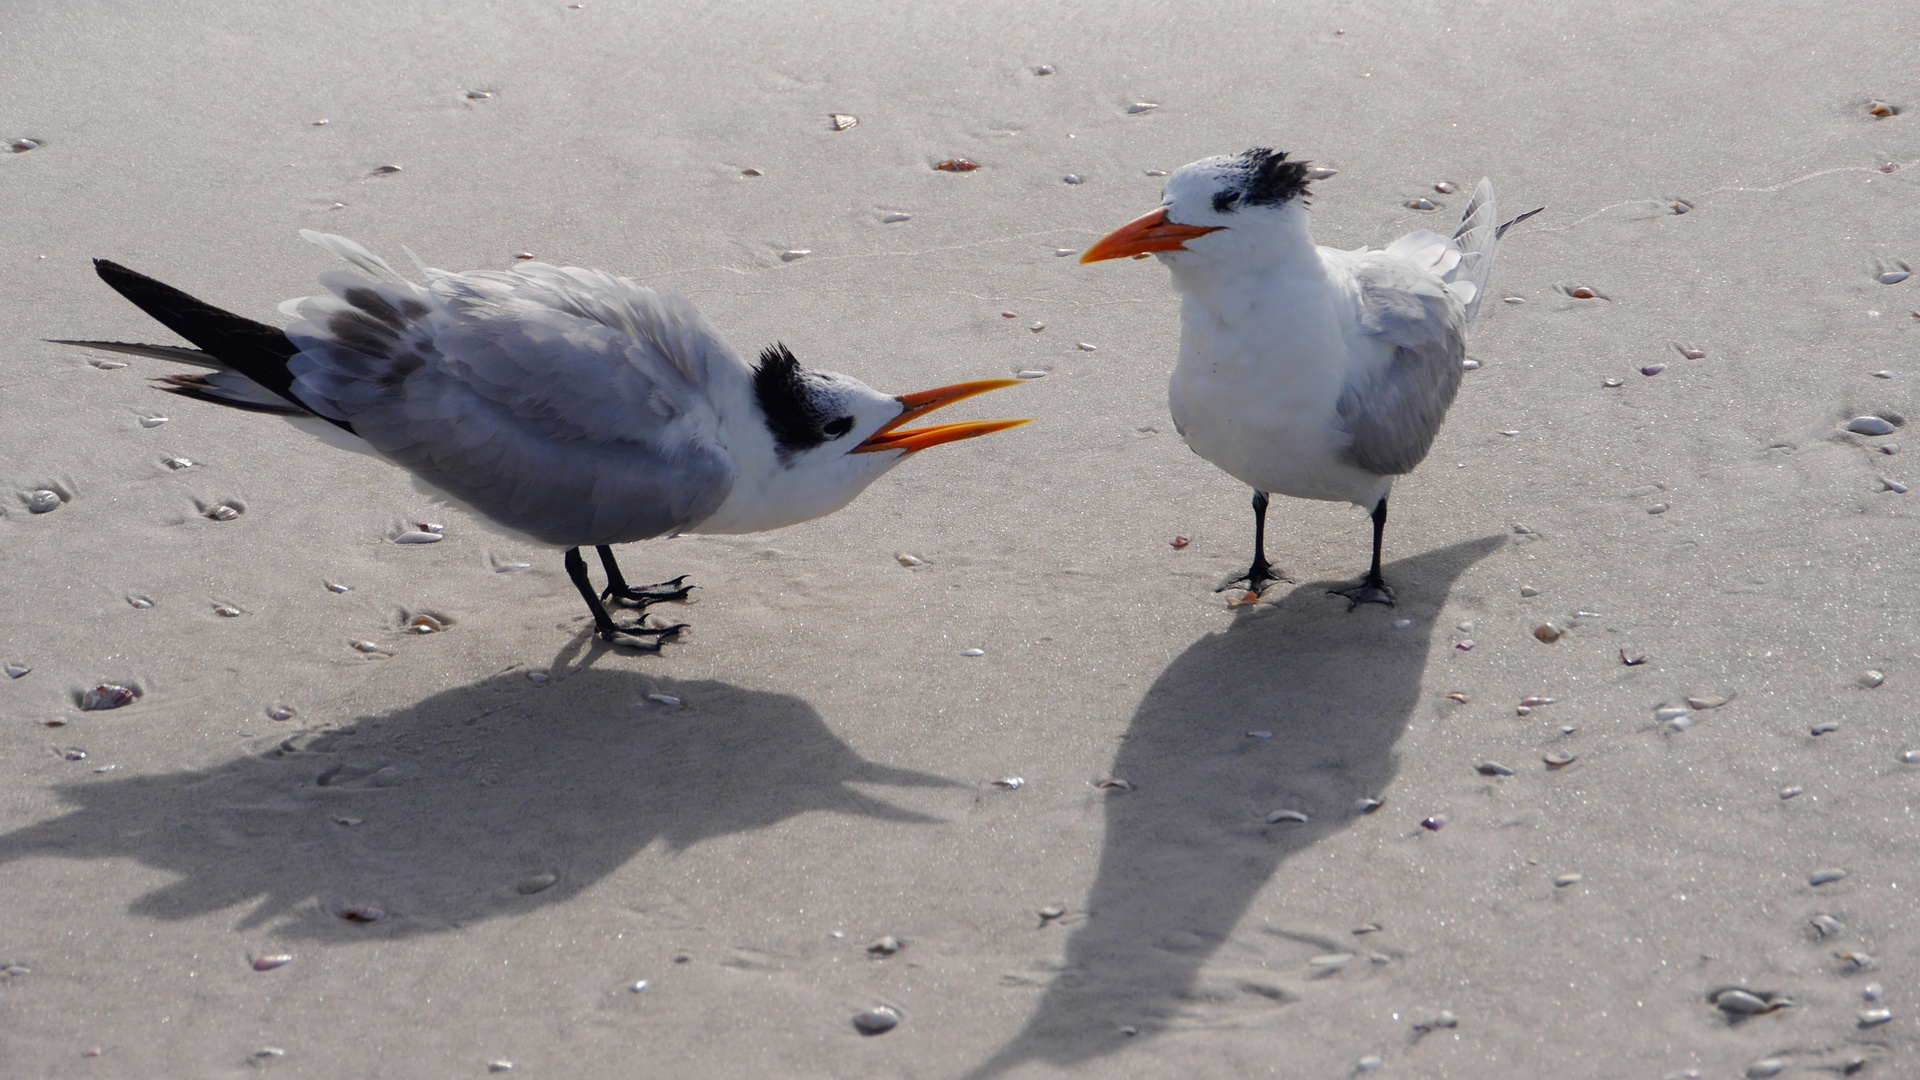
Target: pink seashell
268, 963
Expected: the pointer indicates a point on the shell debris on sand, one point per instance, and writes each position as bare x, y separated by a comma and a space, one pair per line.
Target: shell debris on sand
1791, 792
43, 501
1690, 352
1826, 877
1559, 761
535, 883
1827, 926
1331, 961
973, 652
1492, 768
1421, 204
1011, 783
794, 254
106, 696
957, 165
222, 512
842, 121
501, 1065
268, 963
1139, 107
1321, 172
1870, 425
1444, 188
876, 1021
1294, 816
1872, 1017
1548, 633
886, 946
664, 699
1564, 880
1113, 784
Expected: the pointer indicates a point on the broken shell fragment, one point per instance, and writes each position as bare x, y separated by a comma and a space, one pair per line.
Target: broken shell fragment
1739, 1003
1871, 1017
1294, 816
842, 122
1532, 702
1870, 425
1011, 783
1881, 109
1559, 761
886, 946
17, 671
105, 696
1791, 791
1052, 911
1434, 823
1632, 659
958, 164
268, 963
177, 463
1180, 542
1469, 365
1653, 369
1548, 633
1444, 188
1331, 960
1458, 698
534, 883
1114, 784
904, 559
1366, 805
1707, 703
417, 536
153, 421
1421, 204
1492, 768
1825, 728
1668, 712
362, 913
795, 254
226, 611
1139, 107
1072, 178
1690, 352
1613, 384
1827, 926
40, 502
222, 512
336, 587
1565, 880
895, 218
426, 624
386, 169
1826, 877
665, 699
280, 713
876, 1021
1579, 292
973, 652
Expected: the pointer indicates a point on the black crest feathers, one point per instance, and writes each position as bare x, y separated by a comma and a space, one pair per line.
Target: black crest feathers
1271, 178
780, 387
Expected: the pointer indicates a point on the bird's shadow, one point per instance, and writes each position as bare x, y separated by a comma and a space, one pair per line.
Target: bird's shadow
1188, 847
483, 801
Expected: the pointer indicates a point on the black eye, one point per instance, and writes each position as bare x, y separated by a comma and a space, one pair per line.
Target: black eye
837, 428
1223, 202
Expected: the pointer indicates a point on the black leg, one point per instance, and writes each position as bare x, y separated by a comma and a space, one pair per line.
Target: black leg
1261, 571
618, 591
1374, 589
602, 622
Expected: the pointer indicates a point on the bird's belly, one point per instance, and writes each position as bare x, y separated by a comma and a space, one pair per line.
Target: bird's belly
1272, 441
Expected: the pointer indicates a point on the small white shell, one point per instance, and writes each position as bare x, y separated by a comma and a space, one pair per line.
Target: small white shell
418, 537
842, 122
876, 1021
907, 560
895, 218
153, 421
1826, 877
1565, 880
1668, 712
664, 699
527, 886
1469, 365
1321, 172
973, 652
336, 587
1139, 107
222, 512
1873, 679
1331, 960
1871, 1017
1279, 816
177, 463
40, 502
796, 253
1087, 346
1869, 425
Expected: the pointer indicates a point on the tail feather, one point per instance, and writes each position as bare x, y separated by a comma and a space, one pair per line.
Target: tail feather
158, 352
251, 350
1478, 239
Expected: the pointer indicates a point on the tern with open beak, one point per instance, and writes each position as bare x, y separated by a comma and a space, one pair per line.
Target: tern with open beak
566, 406
1303, 370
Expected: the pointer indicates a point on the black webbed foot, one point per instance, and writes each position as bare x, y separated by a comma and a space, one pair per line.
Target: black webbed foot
634, 635
646, 596
1371, 591
1256, 579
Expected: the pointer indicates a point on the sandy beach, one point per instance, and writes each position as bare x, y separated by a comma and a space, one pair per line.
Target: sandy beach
510, 846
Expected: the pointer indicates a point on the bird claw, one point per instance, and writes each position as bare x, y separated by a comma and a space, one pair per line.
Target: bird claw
1367, 592
630, 635
1256, 579
647, 595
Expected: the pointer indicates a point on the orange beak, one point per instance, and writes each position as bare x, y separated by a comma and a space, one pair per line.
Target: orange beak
1151, 232
916, 405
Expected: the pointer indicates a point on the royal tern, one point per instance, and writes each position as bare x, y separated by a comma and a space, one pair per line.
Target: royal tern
1303, 370
566, 406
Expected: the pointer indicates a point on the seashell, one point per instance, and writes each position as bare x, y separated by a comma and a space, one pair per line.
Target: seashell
665, 699
842, 122
973, 652
1469, 365
1894, 486
527, 886
177, 463
1826, 728
1860, 961
1578, 292
1789, 792
21, 146
280, 713
1043, 69
1331, 960
1180, 542
1881, 109
17, 671
1401, 624
1380, 958
1658, 508
1680, 723
1548, 633
876, 1021
415, 536
1492, 768
1294, 816
1531, 702
1827, 925
1156, 172
1511, 433
1826, 877
1668, 712
386, 169
1653, 369
1086, 346
1871, 1017
1370, 1063
1246, 599
639, 987
1464, 646
1139, 107
222, 512
1421, 204
1458, 698
1052, 911
362, 913
501, 1065
796, 253
1513, 299
1872, 992
335, 587
1434, 823
226, 611
1039, 326
1113, 785
1613, 384
1910, 757
1064, 252
1706, 703
1690, 352
538, 678
1072, 178
107, 365
1011, 783
1259, 734
1367, 805
1632, 660
1559, 761
153, 421
73, 754
42, 501
1445, 188
1870, 425
347, 822
1873, 679
366, 647
268, 963
269, 1052
1766, 1067
426, 624
1680, 206
959, 164
54, 722
885, 946
1446, 1019
895, 218
1565, 880
140, 602
479, 95
1739, 1002
1366, 928
104, 696
1321, 172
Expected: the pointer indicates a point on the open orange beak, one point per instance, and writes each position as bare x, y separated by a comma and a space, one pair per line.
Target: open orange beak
913, 406
1151, 232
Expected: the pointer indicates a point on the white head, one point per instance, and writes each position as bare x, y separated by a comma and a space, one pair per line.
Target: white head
1235, 211
821, 437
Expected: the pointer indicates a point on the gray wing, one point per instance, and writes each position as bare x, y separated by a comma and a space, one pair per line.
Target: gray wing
1407, 346
565, 404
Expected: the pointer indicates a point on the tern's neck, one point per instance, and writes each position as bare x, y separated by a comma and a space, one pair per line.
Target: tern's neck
1270, 242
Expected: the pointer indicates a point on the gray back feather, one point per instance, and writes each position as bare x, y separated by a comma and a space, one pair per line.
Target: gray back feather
1392, 414
572, 406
